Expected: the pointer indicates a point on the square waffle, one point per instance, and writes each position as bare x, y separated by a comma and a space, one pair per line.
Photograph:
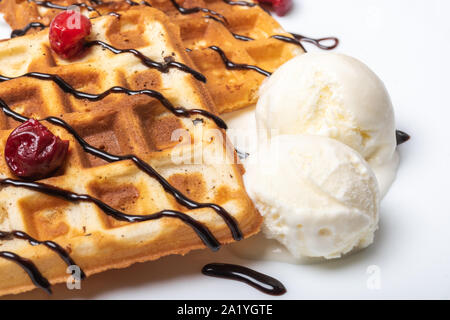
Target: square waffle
202, 167
241, 29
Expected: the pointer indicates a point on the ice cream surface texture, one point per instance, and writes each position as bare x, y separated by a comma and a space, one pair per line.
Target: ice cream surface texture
333, 95
319, 197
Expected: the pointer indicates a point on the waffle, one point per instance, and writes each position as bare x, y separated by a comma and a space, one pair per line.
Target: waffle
231, 89
204, 169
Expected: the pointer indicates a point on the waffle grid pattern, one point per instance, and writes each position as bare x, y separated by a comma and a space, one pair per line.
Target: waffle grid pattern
230, 89
119, 124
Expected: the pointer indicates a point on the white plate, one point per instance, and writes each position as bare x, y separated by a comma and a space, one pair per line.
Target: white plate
406, 43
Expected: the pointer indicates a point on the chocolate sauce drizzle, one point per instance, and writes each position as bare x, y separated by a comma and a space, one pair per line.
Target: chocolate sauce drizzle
236, 36
251, 277
141, 164
52, 5
133, 3
67, 88
289, 40
401, 137
30, 268
9, 235
183, 10
24, 30
318, 42
238, 66
247, 4
162, 67
202, 231
240, 3
38, 279
241, 154
129, 2
258, 280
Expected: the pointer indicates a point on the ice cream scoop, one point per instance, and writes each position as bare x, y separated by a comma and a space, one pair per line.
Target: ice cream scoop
318, 196
333, 95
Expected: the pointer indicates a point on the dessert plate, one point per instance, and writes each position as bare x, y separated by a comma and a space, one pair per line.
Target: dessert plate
410, 257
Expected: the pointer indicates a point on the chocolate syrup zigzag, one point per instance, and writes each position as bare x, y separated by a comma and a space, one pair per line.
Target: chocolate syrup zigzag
202, 231
52, 5
240, 3
317, 42
296, 40
141, 164
238, 66
162, 67
30, 268
236, 36
67, 88
247, 4
24, 30
35, 275
10, 235
184, 10
130, 2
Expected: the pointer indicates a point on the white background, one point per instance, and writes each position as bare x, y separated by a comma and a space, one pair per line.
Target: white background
406, 42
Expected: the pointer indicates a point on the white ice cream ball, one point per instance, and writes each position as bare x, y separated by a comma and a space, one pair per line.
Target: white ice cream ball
319, 197
333, 95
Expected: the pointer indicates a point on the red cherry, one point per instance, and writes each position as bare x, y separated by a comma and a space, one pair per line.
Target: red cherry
33, 152
67, 32
281, 7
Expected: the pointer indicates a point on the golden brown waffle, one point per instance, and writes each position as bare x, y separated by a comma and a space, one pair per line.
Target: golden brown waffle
230, 89
118, 124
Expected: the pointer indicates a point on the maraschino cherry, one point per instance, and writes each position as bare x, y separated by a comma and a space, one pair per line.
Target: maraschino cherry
33, 152
281, 7
67, 33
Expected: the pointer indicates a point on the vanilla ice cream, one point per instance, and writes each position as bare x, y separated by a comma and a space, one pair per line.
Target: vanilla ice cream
331, 95
319, 197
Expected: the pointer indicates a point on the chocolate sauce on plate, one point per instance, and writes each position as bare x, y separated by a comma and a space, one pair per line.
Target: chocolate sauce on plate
251, 277
38, 279
30, 268
258, 280
318, 42
401, 137
24, 30
238, 66
9, 235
